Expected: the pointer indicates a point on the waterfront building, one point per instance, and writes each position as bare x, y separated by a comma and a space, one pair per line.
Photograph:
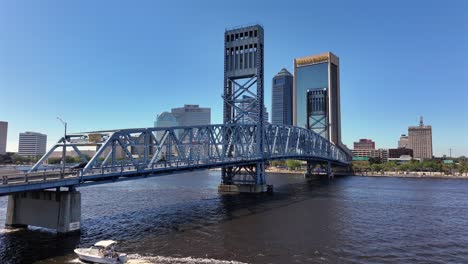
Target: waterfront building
402, 159
398, 152
403, 142
316, 95
32, 144
248, 105
382, 154
364, 144
282, 98
3, 137
192, 115
420, 140
365, 153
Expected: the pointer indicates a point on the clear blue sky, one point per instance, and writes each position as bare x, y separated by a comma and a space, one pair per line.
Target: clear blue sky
116, 64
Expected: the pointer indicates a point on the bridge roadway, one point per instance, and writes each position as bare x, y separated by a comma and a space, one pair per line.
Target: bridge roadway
193, 148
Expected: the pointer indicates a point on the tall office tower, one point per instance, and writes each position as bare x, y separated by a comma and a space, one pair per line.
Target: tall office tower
403, 142
32, 144
248, 104
282, 98
3, 136
364, 144
420, 140
192, 115
316, 95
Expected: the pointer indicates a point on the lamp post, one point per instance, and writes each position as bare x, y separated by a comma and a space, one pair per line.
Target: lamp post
64, 151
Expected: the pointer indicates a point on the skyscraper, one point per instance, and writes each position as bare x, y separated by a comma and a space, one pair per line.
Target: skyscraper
192, 115
420, 140
316, 95
282, 98
32, 144
3, 136
248, 105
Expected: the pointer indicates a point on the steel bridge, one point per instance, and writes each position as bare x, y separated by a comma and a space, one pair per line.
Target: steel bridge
144, 152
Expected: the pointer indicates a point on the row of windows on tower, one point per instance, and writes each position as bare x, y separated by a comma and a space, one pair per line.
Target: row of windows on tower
318, 104
241, 57
242, 35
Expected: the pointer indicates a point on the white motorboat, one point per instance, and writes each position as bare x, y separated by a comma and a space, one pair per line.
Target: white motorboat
102, 252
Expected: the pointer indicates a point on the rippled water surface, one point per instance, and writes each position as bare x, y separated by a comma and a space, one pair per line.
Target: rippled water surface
182, 219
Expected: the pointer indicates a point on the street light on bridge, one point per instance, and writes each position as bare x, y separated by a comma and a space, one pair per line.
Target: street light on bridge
64, 152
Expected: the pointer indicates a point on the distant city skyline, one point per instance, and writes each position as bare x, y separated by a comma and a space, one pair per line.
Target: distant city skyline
113, 73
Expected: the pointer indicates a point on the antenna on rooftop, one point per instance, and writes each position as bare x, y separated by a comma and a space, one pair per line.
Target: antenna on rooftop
421, 122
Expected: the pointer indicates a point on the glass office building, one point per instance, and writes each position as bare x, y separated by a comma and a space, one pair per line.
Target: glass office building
282, 98
316, 78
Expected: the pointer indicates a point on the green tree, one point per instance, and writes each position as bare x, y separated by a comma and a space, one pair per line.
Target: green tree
360, 166
293, 164
376, 167
390, 166
278, 163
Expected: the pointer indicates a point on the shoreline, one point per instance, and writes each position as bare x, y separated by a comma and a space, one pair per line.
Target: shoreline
435, 175
413, 175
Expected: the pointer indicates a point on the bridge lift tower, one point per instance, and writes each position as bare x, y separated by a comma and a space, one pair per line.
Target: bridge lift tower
243, 76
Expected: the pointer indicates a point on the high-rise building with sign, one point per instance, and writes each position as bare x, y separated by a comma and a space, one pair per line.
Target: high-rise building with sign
316, 95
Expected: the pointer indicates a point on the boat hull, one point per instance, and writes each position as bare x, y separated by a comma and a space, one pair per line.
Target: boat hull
86, 256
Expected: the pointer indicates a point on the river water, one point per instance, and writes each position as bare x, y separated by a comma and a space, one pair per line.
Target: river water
183, 219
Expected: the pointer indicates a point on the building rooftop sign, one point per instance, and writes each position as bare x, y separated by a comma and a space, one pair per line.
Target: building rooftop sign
312, 60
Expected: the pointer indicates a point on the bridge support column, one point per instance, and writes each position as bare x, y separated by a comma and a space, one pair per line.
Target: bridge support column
310, 171
55, 210
245, 179
330, 173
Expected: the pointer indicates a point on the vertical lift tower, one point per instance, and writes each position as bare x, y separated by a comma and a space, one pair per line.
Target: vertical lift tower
243, 76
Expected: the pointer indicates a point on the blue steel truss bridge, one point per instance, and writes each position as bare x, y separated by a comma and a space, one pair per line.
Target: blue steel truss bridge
145, 152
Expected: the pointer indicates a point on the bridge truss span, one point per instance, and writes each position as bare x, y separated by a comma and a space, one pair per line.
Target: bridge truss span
152, 149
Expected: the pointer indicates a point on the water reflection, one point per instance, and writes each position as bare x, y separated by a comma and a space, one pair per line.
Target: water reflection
183, 219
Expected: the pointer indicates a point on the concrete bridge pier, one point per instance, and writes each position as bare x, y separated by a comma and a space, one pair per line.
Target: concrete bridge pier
59, 210
245, 179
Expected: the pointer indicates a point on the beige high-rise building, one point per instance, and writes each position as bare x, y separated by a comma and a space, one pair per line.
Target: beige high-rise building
3, 136
403, 142
420, 140
32, 144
